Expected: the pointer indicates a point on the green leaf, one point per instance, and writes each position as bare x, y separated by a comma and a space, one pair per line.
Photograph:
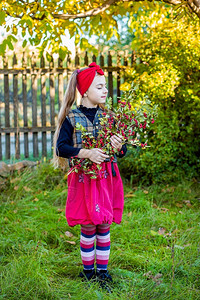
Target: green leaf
62, 52
2, 48
2, 17
10, 45
24, 43
48, 56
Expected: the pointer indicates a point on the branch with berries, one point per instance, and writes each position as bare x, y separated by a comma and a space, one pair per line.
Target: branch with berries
129, 123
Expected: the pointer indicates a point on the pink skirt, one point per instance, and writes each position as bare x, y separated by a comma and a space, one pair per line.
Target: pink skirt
95, 201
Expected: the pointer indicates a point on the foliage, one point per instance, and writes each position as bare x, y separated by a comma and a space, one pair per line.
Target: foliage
167, 70
154, 252
44, 24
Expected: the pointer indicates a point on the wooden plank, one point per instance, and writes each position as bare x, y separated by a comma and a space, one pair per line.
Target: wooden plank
94, 59
27, 129
1, 150
86, 59
118, 78
34, 106
7, 108
133, 58
77, 60
101, 60
52, 99
125, 65
43, 107
25, 115
110, 77
60, 83
16, 108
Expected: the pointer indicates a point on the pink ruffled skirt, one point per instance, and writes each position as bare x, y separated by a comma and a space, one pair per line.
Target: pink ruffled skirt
95, 201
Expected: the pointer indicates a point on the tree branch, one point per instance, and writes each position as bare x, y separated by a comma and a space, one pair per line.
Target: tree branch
89, 13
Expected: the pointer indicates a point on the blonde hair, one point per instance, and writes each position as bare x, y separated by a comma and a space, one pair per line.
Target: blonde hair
69, 99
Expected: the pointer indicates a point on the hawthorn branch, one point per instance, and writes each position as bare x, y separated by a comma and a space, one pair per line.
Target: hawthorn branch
192, 5
90, 13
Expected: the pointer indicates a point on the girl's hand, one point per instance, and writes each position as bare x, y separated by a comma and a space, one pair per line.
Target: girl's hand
116, 142
96, 155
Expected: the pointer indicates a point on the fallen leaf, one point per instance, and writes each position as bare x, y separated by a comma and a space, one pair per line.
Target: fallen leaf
159, 275
175, 231
129, 214
14, 180
35, 200
178, 247
164, 209
60, 209
189, 205
187, 245
147, 274
27, 189
69, 234
145, 192
129, 195
154, 205
171, 189
179, 205
161, 231
71, 242
16, 187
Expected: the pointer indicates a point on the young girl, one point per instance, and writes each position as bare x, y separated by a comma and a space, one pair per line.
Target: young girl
92, 203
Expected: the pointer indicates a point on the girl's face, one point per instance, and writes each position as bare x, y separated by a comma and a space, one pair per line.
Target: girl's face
97, 92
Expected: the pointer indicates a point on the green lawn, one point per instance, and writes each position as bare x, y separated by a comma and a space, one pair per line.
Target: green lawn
154, 252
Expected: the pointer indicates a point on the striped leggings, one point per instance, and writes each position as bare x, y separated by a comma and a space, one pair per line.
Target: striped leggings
90, 233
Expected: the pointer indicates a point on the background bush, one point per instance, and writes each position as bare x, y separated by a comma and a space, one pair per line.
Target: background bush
167, 69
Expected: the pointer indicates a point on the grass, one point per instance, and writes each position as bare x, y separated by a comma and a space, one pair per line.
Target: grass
154, 251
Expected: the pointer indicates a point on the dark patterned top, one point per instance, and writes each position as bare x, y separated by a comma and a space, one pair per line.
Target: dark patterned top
65, 143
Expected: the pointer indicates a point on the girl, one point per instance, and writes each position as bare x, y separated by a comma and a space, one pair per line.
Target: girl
92, 203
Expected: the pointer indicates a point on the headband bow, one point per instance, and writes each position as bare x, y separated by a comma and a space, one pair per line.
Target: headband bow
85, 77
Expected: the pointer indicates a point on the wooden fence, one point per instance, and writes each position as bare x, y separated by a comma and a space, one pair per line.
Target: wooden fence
31, 94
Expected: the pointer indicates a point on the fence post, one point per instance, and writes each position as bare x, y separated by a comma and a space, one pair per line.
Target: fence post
25, 116
77, 60
101, 60
52, 98
86, 59
16, 109
118, 77
125, 65
43, 106
110, 77
94, 59
34, 104
7, 107
60, 82
133, 58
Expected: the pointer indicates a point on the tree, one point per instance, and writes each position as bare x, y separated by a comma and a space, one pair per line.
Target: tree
43, 23
167, 70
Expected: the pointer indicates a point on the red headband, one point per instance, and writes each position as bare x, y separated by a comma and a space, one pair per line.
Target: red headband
85, 77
